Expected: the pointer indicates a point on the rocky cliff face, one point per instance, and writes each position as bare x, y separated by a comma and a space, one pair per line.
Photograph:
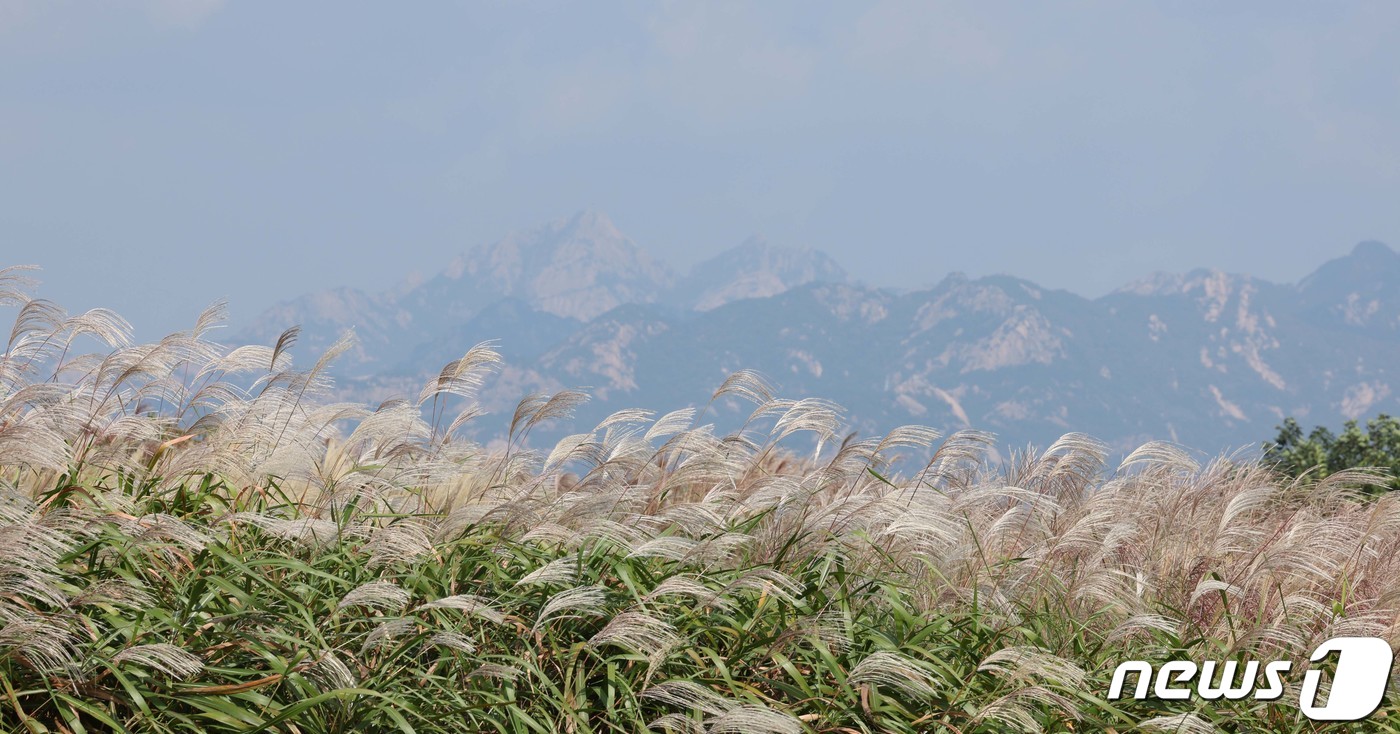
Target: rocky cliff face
1210, 359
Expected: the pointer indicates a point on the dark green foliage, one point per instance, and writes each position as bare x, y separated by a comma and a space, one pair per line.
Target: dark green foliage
1322, 453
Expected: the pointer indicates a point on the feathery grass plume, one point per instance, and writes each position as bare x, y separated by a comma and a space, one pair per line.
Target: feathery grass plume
676, 724
768, 582
617, 534
550, 534
697, 518
687, 445
624, 417
463, 377
26, 443
282, 347
309, 531
15, 285
669, 547
638, 632
579, 601
1074, 454
747, 384
453, 641
558, 571
893, 670
588, 510
670, 424
579, 446
120, 592
527, 407
328, 672
818, 416
689, 587
387, 632
36, 317
1023, 664
537, 408
383, 595
753, 719
957, 460
27, 576
171, 660
689, 695
495, 671
99, 323
921, 437
1213, 587
929, 529
1144, 625
1017, 711
43, 645
830, 628
401, 542
774, 408
1159, 455
469, 604
159, 526
720, 550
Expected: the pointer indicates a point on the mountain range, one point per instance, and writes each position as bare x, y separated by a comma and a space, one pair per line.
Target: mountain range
1208, 359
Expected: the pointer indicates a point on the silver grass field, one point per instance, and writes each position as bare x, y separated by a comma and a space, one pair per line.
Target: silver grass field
196, 538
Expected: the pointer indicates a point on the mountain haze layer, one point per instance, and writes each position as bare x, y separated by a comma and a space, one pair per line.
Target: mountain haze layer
1209, 359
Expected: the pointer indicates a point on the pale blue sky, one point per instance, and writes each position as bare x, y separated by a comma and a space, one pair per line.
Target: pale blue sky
156, 155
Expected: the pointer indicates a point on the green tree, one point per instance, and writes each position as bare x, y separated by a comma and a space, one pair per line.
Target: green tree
1323, 452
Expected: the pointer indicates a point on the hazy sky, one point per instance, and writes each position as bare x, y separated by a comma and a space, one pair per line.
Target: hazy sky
157, 155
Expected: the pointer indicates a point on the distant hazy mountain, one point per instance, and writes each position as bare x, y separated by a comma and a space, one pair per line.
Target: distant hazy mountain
754, 269
541, 284
1356, 293
576, 268
1205, 358
524, 333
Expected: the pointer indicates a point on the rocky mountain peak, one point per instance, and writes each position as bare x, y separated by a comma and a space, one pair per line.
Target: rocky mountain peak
1372, 249
592, 223
1370, 265
576, 267
1357, 290
755, 269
